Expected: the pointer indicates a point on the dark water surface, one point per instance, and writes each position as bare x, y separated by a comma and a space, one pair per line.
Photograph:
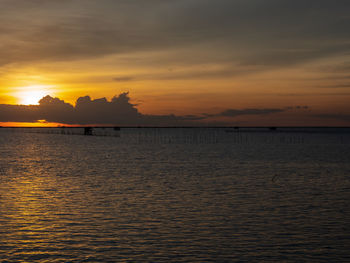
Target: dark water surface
68, 198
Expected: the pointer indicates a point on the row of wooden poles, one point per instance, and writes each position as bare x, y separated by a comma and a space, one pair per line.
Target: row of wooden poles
88, 131
174, 136
212, 137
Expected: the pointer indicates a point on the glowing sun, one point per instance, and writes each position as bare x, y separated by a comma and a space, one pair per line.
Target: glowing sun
31, 95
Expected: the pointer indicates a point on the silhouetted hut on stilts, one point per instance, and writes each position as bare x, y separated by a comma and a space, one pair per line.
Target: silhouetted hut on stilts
88, 131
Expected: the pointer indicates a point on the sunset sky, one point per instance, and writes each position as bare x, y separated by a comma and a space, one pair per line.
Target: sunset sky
222, 62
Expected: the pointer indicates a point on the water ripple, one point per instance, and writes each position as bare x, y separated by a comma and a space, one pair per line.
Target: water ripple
84, 199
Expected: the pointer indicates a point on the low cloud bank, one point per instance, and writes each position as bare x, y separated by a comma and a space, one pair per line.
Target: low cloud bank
118, 111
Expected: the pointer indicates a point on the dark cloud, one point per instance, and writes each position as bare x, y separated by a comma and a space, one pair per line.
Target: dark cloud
314, 94
342, 117
297, 108
269, 33
338, 86
87, 111
19, 113
234, 112
302, 107
55, 110
124, 78
118, 111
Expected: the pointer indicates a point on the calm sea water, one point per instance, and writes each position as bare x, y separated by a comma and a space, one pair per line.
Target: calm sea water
257, 197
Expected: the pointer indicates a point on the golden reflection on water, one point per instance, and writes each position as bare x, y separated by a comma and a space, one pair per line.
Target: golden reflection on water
32, 210
85, 198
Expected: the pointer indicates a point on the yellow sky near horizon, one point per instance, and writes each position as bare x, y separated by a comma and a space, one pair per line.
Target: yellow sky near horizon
179, 91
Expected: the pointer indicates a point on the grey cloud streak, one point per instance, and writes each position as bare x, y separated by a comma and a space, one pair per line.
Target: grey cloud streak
197, 74
343, 117
234, 112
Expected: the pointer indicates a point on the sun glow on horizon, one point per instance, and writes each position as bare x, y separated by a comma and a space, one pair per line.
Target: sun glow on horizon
31, 95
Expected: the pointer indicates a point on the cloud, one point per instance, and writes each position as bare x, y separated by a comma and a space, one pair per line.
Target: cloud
270, 33
298, 107
302, 107
336, 86
19, 113
342, 117
55, 110
123, 79
118, 111
203, 73
234, 112
314, 94
343, 67
87, 111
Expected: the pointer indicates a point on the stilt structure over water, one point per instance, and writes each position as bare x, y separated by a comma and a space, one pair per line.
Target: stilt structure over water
202, 135
88, 131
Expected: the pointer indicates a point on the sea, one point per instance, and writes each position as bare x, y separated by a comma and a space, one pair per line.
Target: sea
174, 195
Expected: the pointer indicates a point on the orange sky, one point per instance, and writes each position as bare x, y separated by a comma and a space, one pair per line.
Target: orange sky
192, 65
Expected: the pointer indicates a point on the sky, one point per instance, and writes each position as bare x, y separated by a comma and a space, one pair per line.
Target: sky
175, 62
